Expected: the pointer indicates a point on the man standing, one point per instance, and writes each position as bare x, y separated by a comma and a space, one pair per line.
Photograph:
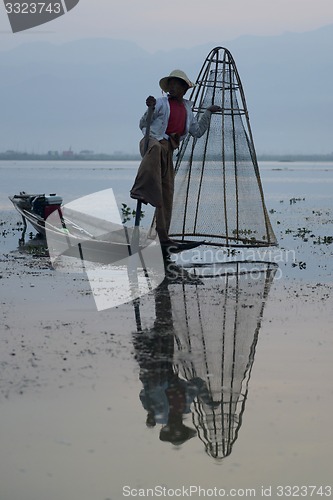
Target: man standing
172, 119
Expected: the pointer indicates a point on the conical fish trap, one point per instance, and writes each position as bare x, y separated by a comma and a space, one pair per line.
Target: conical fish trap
218, 191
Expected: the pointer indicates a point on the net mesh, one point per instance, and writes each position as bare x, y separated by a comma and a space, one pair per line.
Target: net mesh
216, 340
218, 191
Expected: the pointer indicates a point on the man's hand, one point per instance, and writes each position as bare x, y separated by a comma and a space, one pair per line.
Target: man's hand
151, 101
214, 108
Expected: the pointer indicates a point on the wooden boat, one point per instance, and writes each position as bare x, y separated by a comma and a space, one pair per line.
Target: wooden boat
70, 233
30, 206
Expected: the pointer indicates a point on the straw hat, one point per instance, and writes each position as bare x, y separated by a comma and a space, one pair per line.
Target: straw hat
176, 73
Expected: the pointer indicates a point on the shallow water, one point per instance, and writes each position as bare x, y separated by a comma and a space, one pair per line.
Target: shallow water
281, 180
219, 380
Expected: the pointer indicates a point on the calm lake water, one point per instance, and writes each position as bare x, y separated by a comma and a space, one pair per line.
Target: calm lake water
74, 179
216, 384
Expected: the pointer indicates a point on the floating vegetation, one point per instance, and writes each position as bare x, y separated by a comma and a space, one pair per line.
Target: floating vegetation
305, 234
12, 229
244, 231
38, 251
324, 240
35, 247
300, 232
128, 213
292, 201
301, 264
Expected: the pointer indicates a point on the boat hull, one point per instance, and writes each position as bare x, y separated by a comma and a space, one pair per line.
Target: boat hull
70, 240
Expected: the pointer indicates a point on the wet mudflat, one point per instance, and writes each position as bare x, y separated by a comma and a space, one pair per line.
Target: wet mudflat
220, 379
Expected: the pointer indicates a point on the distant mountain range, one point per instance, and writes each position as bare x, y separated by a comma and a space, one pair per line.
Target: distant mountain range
90, 94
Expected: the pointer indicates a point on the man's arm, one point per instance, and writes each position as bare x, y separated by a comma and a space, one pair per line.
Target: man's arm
150, 102
199, 127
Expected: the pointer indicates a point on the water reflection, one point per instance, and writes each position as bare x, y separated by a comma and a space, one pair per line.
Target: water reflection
198, 355
165, 396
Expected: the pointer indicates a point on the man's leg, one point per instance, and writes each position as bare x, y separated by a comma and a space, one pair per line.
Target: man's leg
164, 212
147, 186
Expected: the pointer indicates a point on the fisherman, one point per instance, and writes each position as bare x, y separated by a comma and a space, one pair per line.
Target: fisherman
171, 121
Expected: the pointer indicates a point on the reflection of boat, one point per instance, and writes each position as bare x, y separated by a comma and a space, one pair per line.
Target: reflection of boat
213, 314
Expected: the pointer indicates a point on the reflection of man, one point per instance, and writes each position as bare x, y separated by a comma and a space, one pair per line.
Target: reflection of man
165, 396
179, 398
172, 120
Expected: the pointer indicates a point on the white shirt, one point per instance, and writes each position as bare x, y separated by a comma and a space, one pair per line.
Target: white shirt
161, 116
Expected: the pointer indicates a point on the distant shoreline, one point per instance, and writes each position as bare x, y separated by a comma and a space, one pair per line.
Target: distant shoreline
18, 156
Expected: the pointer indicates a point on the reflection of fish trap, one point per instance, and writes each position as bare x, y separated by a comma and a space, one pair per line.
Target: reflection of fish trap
216, 331
218, 191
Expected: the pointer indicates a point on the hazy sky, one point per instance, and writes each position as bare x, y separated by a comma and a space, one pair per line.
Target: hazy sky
155, 25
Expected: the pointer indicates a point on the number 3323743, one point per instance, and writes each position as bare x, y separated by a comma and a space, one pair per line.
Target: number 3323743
33, 8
